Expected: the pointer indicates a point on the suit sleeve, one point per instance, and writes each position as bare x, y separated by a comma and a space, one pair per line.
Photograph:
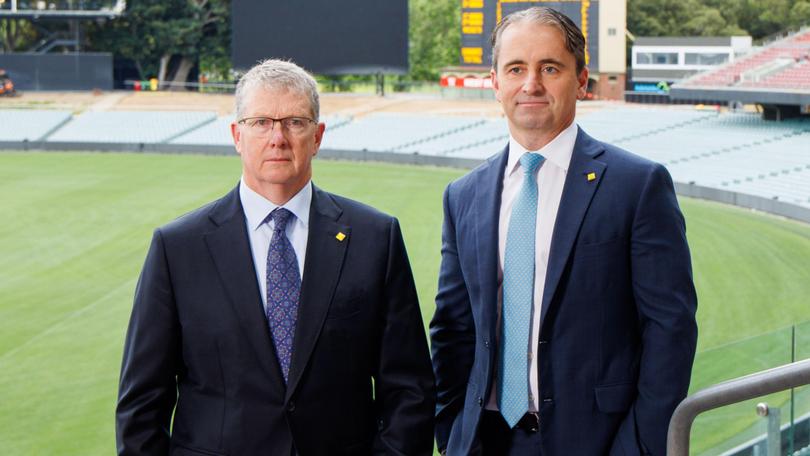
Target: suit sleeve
148, 391
404, 383
452, 332
666, 301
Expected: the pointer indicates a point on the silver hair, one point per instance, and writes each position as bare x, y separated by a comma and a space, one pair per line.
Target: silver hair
278, 74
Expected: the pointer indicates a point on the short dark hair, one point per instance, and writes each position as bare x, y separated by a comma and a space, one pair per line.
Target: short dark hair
574, 40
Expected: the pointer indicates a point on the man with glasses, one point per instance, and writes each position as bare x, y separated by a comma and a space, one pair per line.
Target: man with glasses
279, 319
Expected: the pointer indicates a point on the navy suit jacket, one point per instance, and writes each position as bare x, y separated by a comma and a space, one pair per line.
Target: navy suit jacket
199, 345
618, 330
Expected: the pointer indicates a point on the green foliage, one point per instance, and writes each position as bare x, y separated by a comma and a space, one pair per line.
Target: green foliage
435, 37
197, 30
758, 18
17, 34
800, 13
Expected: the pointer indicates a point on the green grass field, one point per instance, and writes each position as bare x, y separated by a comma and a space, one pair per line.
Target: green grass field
76, 228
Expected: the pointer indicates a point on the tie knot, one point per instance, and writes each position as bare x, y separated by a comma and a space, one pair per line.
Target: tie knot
280, 217
530, 162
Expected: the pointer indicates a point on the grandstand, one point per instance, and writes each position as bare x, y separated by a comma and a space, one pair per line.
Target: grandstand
19, 125
705, 151
394, 132
130, 127
776, 76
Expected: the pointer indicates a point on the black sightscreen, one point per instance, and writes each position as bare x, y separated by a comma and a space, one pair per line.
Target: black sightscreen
82, 71
323, 36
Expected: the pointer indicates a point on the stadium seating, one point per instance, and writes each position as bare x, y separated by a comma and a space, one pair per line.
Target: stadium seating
131, 127
479, 141
386, 132
30, 125
218, 132
796, 77
794, 48
736, 152
730, 151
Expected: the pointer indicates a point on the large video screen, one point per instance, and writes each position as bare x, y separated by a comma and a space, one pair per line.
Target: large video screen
479, 18
324, 36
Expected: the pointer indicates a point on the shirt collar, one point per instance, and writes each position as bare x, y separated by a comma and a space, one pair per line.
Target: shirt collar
257, 207
558, 151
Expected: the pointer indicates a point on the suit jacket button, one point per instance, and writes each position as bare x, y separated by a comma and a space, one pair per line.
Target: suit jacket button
486, 343
291, 406
480, 401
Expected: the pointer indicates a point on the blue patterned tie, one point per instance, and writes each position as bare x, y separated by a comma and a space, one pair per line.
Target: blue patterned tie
283, 289
518, 294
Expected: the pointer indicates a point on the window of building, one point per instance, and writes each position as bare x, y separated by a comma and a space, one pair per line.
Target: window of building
611, 31
657, 58
694, 58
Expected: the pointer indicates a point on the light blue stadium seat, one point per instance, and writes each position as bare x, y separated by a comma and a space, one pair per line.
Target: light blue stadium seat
130, 126
29, 125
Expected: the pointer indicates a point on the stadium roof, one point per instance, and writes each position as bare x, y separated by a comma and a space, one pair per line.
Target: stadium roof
40, 9
683, 41
761, 95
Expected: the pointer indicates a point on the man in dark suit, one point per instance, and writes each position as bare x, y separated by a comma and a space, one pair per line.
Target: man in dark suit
279, 319
564, 319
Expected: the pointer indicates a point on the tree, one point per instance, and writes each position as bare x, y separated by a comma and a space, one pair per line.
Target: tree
434, 35
16, 34
710, 22
758, 18
166, 38
800, 14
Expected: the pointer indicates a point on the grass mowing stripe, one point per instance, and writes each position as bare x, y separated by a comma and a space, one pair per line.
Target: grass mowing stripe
66, 319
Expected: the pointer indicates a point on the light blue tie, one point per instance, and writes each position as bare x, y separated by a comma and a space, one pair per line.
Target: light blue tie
518, 294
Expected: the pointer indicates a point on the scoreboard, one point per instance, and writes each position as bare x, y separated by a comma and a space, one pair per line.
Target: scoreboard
324, 36
479, 18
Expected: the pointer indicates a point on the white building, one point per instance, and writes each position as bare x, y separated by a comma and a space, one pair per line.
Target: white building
664, 60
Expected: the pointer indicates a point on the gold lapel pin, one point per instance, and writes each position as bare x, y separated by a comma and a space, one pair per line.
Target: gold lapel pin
340, 236
591, 176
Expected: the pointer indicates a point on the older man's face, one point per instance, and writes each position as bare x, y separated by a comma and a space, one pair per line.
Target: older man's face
277, 163
537, 81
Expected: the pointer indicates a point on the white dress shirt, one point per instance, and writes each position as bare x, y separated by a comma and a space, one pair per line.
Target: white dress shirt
550, 182
257, 208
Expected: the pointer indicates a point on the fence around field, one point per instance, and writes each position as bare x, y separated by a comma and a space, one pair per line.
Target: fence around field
734, 430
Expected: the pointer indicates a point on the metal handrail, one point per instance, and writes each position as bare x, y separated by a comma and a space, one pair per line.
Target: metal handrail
740, 389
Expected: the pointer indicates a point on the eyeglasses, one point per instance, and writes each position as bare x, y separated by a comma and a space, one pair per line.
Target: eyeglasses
264, 125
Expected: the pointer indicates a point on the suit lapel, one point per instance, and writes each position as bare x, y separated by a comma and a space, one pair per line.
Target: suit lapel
488, 189
576, 198
230, 249
324, 260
